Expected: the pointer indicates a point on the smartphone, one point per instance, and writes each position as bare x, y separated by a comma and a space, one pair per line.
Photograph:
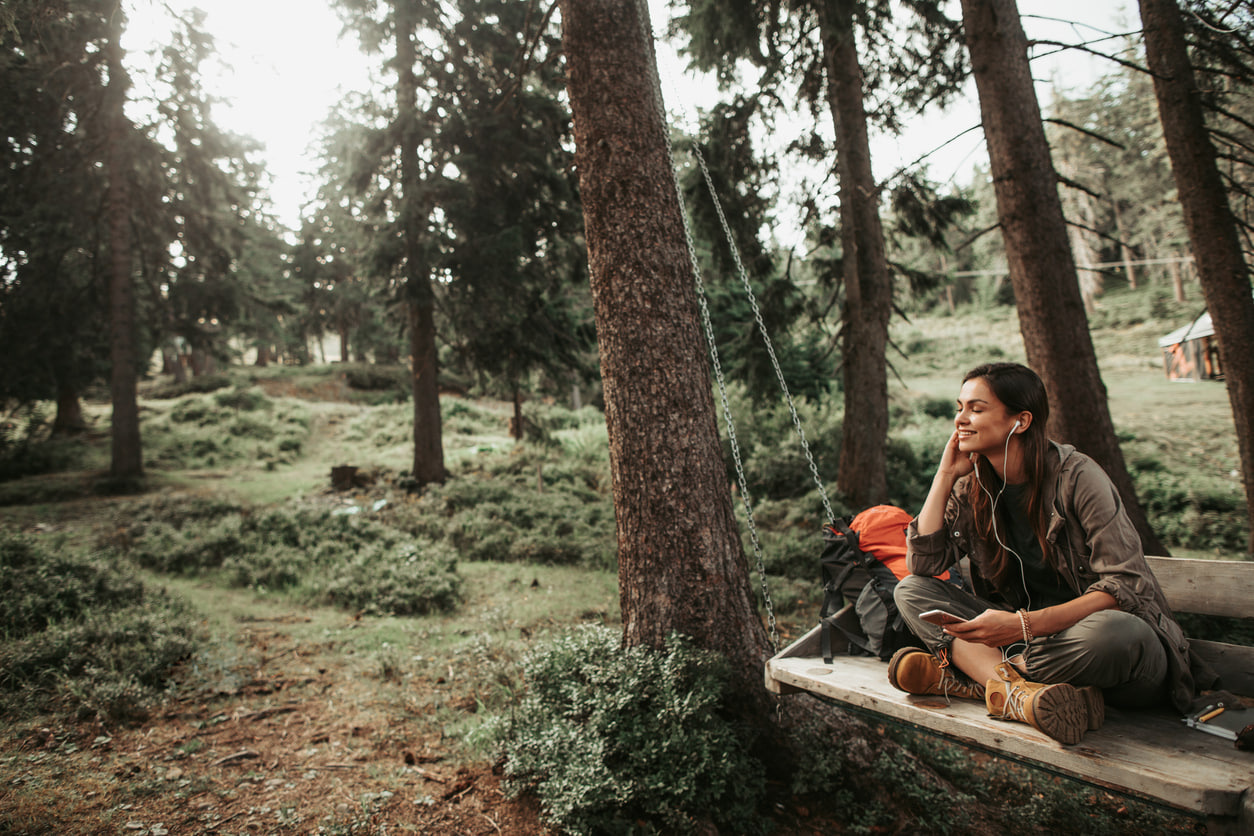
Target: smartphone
941, 618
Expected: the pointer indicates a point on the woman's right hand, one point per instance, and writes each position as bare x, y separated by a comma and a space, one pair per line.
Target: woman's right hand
954, 463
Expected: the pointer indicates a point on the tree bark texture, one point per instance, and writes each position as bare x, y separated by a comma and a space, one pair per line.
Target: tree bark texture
428, 465
126, 456
69, 418
1221, 267
1042, 270
681, 565
863, 478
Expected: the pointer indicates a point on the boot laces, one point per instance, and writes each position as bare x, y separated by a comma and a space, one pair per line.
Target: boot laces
1014, 706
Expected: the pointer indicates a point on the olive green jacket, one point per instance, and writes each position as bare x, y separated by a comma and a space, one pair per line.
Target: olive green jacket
1098, 547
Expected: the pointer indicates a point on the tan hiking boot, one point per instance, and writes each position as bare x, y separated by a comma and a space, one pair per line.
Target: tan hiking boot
1095, 703
1060, 710
919, 672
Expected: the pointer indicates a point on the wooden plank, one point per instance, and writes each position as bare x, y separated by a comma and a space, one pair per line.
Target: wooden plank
1234, 663
1143, 752
1213, 587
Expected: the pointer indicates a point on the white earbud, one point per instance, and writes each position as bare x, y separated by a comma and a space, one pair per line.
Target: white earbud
1017, 425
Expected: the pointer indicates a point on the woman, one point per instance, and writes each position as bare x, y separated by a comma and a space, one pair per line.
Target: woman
1064, 612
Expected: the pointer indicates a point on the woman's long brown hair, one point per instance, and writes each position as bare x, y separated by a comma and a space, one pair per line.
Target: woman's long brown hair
1021, 390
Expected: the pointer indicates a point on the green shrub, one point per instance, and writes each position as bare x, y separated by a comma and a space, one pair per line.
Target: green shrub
402, 580
243, 399
83, 636
376, 378
512, 519
234, 426
630, 741
193, 385
1193, 512
38, 589
310, 553
28, 449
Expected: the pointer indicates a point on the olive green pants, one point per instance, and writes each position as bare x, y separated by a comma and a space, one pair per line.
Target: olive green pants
1114, 650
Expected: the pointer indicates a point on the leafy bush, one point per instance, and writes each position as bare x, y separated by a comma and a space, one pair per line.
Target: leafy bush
626, 741
27, 448
309, 553
377, 378
510, 518
200, 384
232, 426
38, 589
1192, 512
83, 636
402, 580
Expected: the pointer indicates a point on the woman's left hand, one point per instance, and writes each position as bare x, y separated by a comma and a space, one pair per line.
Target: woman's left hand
995, 628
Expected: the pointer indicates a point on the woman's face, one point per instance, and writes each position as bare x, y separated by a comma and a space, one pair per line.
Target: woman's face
983, 422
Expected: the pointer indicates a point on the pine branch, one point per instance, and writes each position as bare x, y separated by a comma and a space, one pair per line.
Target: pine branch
977, 236
1073, 126
1223, 111
1080, 187
1123, 62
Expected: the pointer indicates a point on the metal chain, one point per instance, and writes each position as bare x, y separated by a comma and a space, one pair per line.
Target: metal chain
766, 337
745, 497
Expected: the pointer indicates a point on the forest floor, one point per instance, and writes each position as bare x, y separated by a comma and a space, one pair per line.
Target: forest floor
297, 742
294, 722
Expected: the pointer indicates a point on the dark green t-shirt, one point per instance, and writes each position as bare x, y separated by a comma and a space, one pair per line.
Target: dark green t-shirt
1031, 582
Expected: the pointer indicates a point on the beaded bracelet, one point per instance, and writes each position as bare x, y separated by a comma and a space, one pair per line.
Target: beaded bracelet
1026, 623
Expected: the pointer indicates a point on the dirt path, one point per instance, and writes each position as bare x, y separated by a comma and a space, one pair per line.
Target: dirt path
292, 736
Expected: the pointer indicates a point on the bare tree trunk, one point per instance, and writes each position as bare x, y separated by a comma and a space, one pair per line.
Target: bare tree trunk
1125, 252
1047, 294
428, 465
868, 286
1221, 267
127, 459
69, 418
681, 566
516, 425
428, 444
1177, 282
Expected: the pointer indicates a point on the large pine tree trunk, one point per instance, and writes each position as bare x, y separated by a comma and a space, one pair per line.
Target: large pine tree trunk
681, 566
1224, 275
868, 286
428, 465
1042, 269
127, 460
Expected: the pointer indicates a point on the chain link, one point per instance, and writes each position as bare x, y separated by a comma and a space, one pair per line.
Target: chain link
766, 337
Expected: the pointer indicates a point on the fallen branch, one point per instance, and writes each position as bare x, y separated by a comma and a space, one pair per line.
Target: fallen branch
241, 755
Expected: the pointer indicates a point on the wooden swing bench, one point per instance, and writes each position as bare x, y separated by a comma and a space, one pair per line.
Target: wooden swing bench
1148, 754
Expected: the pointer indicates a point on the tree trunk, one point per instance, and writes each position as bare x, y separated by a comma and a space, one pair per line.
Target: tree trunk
428, 444
1221, 268
127, 459
343, 345
681, 565
424, 365
1125, 252
69, 419
517, 430
1042, 270
868, 286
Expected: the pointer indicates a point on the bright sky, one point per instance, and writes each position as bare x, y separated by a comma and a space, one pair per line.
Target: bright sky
286, 64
